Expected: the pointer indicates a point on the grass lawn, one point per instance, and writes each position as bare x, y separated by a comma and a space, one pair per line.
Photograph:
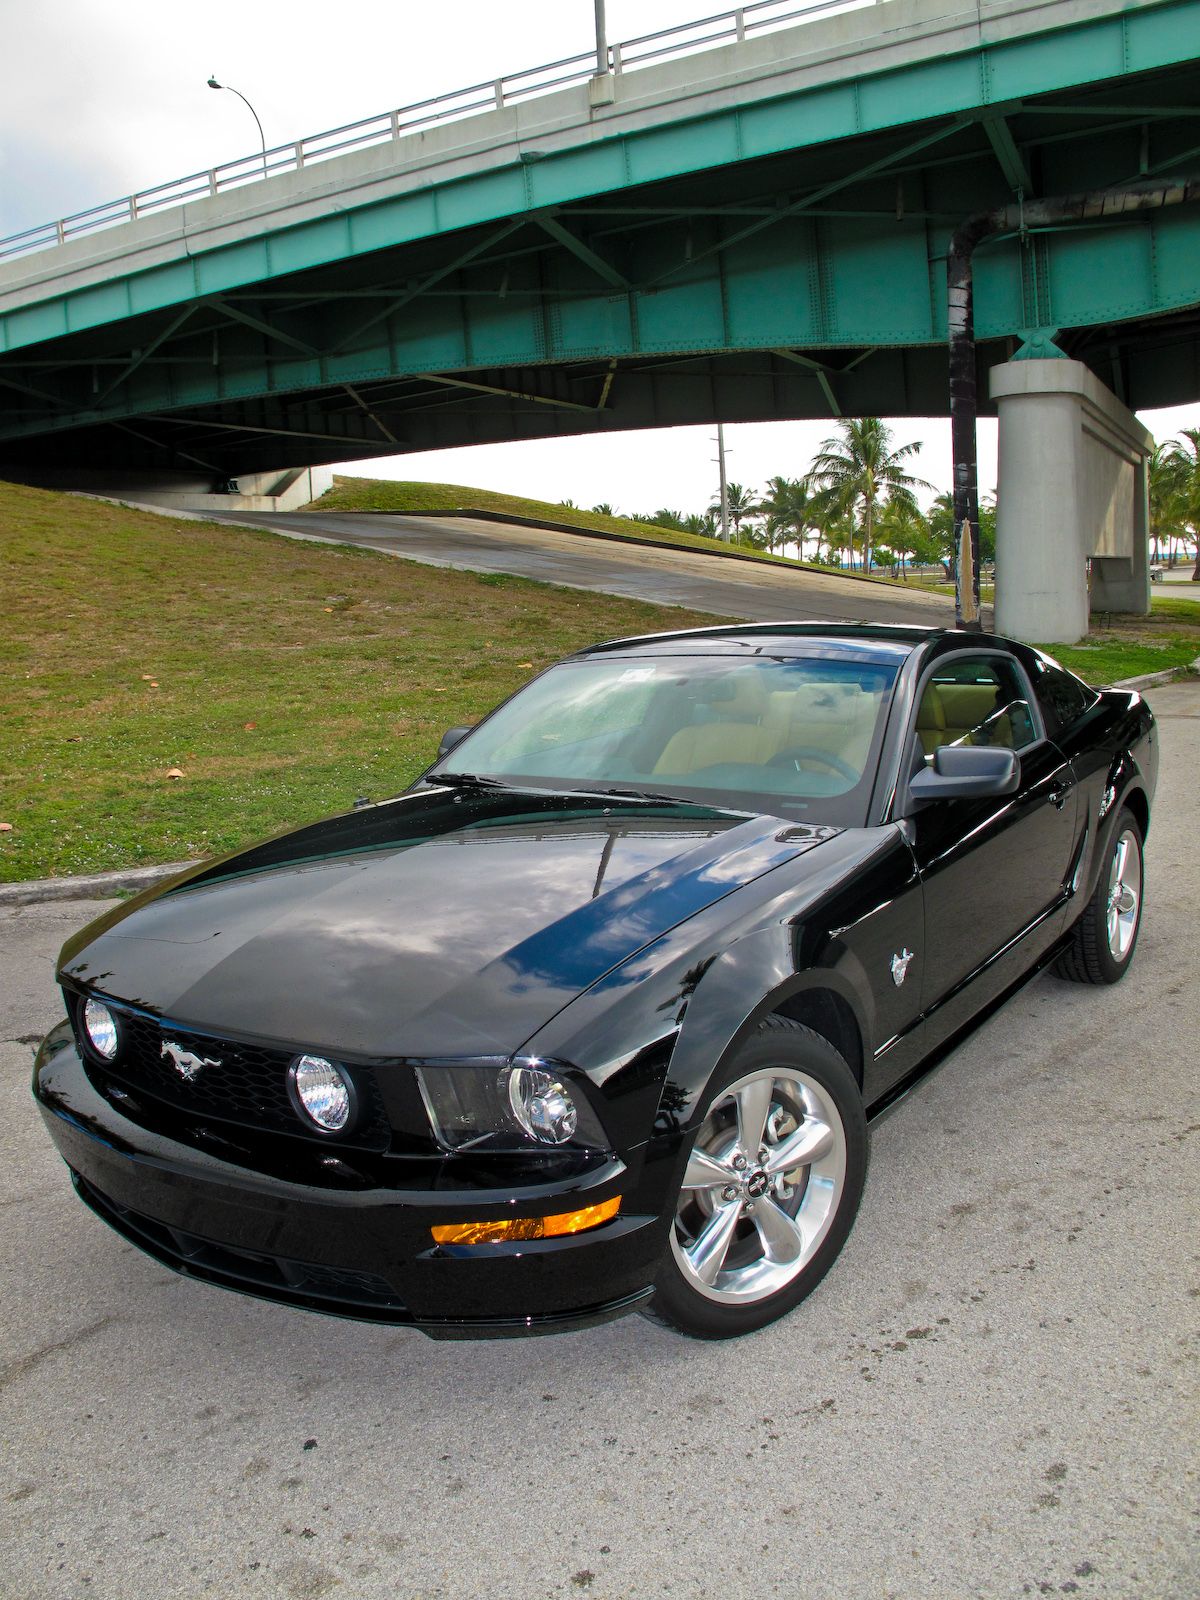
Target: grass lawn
282, 678
1121, 647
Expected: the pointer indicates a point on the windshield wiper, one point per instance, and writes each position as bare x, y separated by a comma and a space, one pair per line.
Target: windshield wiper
640, 794
466, 780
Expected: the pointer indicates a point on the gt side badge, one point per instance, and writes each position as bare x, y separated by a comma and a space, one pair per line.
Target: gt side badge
900, 967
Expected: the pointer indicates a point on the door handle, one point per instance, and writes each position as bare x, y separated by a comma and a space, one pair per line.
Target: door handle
1058, 795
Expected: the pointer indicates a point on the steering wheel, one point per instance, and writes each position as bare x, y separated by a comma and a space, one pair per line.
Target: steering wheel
810, 754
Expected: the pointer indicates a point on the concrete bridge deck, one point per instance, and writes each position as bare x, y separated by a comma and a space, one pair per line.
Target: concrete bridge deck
756, 230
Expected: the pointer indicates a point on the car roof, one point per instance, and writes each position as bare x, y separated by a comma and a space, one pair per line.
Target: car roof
889, 640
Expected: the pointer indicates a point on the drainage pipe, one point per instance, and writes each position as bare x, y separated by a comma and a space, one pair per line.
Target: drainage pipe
1096, 205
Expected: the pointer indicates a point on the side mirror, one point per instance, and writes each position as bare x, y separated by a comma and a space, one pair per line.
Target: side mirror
450, 738
967, 772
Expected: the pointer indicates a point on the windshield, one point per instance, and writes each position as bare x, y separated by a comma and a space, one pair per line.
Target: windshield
798, 735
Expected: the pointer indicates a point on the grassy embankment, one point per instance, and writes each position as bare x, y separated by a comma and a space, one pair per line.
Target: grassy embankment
384, 494
282, 678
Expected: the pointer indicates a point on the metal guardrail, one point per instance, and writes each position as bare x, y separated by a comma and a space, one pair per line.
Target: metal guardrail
759, 16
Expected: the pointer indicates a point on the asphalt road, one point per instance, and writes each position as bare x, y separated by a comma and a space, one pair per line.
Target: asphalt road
751, 591
993, 1394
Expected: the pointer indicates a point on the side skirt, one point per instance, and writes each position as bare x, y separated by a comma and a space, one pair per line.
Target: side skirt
892, 1097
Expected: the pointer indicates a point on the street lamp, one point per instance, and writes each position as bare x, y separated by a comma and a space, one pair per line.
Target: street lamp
601, 41
213, 84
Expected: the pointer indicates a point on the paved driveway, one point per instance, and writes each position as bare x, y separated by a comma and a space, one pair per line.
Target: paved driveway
753, 591
993, 1394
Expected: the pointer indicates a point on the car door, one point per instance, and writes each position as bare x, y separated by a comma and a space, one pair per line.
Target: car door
993, 870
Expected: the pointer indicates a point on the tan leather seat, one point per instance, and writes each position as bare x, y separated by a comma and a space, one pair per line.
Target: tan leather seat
967, 705
931, 720
834, 717
738, 736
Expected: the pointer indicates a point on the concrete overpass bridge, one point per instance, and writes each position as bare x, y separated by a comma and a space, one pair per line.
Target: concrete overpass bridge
742, 222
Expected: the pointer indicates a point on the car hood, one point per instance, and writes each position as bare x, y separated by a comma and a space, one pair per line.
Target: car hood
442, 923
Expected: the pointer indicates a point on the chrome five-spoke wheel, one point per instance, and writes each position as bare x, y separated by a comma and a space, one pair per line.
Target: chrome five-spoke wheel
770, 1188
1124, 894
761, 1187
1102, 941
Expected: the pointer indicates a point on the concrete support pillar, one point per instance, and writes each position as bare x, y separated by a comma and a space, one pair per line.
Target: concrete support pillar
1072, 489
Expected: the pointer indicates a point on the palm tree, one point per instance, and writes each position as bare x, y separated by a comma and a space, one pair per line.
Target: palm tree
604, 510
666, 518
704, 526
902, 529
941, 527
857, 466
790, 507
1185, 454
837, 527
1165, 472
742, 504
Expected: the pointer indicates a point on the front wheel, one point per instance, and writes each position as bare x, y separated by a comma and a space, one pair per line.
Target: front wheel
1103, 940
771, 1188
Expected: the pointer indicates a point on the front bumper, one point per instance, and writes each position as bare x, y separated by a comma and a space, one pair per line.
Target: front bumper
364, 1252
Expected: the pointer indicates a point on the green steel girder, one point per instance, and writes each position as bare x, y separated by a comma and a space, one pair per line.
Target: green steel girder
708, 241
1085, 52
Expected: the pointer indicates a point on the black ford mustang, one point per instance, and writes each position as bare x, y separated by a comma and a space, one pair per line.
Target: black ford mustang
592, 1018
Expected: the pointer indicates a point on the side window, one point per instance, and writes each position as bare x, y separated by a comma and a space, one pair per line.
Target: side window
1062, 697
974, 701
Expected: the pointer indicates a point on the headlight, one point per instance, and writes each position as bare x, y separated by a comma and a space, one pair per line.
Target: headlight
542, 1105
322, 1091
515, 1106
101, 1028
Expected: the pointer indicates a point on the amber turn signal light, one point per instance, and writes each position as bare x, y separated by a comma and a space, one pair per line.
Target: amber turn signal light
526, 1227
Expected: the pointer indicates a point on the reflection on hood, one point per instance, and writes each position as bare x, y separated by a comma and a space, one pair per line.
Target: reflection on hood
441, 923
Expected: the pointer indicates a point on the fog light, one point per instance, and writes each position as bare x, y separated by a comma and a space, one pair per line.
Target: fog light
527, 1227
101, 1028
542, 1105
322, 1091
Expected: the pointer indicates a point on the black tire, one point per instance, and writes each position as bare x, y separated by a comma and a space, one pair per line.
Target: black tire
812, 1105
1096, 954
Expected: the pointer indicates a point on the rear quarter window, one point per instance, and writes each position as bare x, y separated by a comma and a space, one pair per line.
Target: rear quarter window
1063, 697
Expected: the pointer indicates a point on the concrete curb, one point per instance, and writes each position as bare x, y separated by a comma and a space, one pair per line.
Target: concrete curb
103, 885
88, 885
1150, 680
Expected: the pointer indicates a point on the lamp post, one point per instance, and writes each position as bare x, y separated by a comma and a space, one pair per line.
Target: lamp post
213, 84
601, 41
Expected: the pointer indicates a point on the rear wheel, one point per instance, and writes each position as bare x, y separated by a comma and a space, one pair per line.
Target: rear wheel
1104, 938
771, 1188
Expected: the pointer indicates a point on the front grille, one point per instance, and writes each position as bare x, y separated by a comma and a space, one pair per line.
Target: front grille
305, 1283
245, 1084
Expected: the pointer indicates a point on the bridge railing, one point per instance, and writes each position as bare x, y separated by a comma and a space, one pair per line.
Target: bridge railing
735, 25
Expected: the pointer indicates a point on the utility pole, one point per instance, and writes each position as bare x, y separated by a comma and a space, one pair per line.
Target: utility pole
724, 482
601, 41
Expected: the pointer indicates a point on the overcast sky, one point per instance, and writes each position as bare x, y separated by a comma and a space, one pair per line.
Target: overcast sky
99, 98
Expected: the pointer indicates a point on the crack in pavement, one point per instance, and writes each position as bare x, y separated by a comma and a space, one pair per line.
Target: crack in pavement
27, 1364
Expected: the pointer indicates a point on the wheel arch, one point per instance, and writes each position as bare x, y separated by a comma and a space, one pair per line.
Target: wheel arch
831, 1015
820, 1000
1136, 801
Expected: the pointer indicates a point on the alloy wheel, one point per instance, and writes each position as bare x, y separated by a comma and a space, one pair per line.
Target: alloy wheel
1124, 895
762, 1186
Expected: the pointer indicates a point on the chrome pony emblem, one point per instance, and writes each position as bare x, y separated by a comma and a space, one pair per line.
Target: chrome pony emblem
186, 1063
900, 966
